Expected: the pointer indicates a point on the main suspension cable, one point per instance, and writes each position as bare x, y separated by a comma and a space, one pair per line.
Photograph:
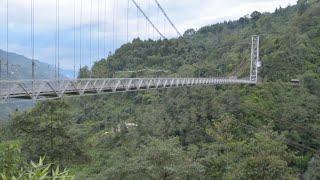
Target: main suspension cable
143, 13
167, 17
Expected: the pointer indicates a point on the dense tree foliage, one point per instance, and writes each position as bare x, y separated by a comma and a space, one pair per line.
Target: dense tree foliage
313, 169
267, 131
43, 131
12, 166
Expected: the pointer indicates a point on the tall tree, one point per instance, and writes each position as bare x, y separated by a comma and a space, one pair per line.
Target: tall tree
44, 131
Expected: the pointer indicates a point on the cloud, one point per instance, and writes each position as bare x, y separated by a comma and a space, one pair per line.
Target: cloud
112, 23
200, 13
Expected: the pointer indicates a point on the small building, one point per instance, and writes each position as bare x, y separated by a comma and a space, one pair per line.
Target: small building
125, 126
295, 81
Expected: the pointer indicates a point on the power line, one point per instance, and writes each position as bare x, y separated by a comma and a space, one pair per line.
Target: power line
288, 142
143, 13
165, 14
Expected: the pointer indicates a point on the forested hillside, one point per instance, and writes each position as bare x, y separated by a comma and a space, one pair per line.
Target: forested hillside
267, 131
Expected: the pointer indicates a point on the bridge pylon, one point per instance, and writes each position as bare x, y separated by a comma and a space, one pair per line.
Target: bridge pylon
255, 60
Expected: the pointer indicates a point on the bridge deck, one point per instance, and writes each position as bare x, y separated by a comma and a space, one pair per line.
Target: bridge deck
48, 89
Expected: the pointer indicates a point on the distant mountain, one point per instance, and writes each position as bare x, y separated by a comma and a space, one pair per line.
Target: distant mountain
20, 67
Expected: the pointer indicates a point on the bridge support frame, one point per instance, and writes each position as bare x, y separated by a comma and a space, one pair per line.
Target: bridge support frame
255, 61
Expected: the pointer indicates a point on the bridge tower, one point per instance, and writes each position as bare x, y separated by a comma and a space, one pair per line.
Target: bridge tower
255, 61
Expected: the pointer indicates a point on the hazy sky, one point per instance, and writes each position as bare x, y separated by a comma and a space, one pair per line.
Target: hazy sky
109, 28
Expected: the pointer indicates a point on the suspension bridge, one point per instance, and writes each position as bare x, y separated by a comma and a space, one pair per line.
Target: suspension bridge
58, 87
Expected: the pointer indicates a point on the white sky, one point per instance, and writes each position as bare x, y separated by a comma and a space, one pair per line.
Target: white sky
184, 13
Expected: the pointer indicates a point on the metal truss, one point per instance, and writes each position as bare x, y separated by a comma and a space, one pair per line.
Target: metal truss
254, 58
52, 89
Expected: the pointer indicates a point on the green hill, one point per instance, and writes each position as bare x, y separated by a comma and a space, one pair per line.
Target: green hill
289, 47
267, 131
